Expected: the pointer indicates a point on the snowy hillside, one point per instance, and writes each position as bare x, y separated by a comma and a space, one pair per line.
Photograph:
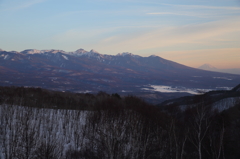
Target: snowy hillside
58, 134
41, 124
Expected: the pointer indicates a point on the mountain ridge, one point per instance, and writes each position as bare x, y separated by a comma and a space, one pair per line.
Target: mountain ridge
220, 100
125, 73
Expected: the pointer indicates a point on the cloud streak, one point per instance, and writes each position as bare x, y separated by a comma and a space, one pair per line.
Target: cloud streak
24, 5
200, 34
203, 7
190, 14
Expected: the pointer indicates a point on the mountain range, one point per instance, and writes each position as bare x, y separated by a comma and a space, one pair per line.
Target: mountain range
125, 73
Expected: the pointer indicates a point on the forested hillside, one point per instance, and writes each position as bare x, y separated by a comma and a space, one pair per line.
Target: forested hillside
43, 124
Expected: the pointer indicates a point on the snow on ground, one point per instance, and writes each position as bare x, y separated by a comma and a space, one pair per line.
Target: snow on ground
6, 56
49, 126
225, 78
226, 103
170, 89
220, 105
65, 57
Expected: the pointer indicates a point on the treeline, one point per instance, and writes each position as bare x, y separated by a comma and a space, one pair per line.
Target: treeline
110, 126
43, 98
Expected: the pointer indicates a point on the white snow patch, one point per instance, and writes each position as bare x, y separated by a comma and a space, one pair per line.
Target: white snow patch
6, 56
169, 89
65, 57
197, 76
224, 88
126, 91
225, 78
85, 91
127, 53
226, 103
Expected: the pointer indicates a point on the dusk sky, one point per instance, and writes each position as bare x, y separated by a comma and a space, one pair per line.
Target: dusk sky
190, 32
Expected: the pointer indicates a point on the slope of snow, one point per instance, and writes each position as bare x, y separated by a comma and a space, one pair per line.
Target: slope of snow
28, 132
82, 52
6, 57
226, 103
59, 127
65, 57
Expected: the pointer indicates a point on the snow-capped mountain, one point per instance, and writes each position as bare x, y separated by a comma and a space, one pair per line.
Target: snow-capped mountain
82, 71
209, 67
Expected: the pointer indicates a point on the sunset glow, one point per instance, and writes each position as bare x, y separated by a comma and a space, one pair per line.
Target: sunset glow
188, 32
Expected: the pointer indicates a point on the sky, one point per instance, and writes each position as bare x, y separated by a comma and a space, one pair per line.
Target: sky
190, 32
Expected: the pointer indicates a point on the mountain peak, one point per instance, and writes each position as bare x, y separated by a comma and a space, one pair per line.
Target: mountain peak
53, 51
207, 67
35, 51
153, 56
80, 51
94, 51
1, 50
124, 54
31, 51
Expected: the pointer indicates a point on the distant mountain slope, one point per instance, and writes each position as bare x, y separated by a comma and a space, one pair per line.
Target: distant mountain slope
90, 71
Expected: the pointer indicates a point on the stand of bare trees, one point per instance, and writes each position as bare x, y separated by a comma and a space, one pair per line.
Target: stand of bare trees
116, 128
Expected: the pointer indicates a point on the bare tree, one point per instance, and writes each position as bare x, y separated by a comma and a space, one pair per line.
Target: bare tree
200, 123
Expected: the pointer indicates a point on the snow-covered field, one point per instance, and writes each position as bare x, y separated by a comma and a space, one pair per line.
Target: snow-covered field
170, 89
220, 105
226, 103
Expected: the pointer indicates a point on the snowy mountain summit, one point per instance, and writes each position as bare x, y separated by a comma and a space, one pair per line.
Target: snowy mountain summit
82, 71
34, 51
127, 54
207, 67
31, 51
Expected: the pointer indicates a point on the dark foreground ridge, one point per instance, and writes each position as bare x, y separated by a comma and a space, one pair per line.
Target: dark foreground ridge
223, 99
37, 123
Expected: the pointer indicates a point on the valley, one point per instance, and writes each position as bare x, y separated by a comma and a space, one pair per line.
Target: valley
125, 73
